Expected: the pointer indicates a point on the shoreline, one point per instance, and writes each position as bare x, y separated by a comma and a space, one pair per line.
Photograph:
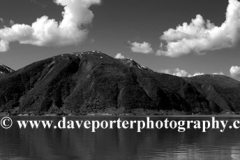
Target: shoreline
169, 114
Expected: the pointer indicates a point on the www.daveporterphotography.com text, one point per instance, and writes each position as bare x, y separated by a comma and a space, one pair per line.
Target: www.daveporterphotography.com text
139, 125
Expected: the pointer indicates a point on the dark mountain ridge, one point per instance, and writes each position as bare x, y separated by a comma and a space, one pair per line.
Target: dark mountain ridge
93, 82
5, 70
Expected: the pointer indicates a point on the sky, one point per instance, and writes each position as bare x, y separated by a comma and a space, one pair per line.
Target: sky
183, 38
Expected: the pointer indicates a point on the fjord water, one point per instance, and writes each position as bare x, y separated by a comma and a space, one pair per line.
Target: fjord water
118, 144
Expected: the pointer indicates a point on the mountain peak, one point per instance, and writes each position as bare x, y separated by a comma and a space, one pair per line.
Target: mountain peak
130, 62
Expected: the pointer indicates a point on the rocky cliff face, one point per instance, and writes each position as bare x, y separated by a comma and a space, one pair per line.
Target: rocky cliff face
92, 82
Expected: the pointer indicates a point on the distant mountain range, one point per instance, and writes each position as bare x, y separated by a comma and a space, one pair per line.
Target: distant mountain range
93, 82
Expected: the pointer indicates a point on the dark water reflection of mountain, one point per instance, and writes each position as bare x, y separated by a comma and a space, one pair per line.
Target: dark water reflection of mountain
117, 144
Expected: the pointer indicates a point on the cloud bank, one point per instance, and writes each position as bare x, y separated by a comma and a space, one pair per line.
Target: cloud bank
144, 47
200, 35
120, 56
48, 32
235, 71
182, 73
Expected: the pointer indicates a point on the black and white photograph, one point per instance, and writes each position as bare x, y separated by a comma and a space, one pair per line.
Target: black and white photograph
119, 80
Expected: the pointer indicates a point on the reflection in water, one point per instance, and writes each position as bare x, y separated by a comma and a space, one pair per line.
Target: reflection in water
117, 144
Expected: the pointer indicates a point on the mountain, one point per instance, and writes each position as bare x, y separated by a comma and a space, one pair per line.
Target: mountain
92, 82
222, 90
5, 70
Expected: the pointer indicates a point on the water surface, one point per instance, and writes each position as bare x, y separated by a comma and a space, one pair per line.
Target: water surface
118, 144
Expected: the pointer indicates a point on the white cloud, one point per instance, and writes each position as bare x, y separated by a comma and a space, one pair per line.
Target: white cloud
176, 72
200, 35
182, 73
4, 46
119, 56
195, 74
144, 47
48, 32
235, 71
11, 22
218, 73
